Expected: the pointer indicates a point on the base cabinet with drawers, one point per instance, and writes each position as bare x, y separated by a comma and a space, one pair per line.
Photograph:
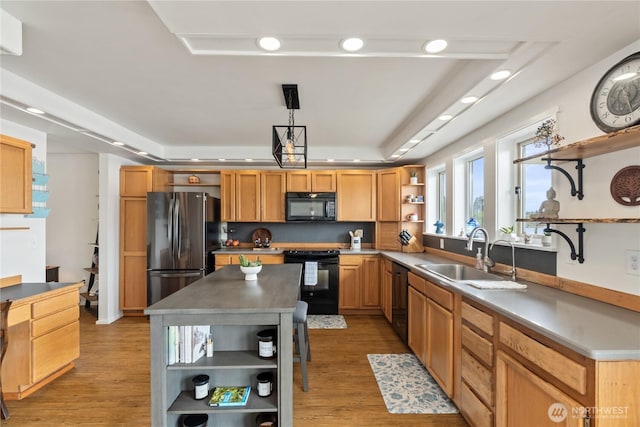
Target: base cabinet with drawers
223, 259
44, 336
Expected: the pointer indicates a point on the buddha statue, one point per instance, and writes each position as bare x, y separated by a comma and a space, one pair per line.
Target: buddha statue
549, 208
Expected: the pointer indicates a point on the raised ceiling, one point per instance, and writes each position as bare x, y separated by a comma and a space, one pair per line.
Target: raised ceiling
182, 80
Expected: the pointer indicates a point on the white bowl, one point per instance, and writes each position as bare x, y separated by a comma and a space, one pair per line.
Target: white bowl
251, 273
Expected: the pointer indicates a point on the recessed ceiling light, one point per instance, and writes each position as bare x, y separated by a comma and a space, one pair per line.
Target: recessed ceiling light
469, 99
435, 46
35, 110
330, 160
222, 160
248, 160
352, 44
356, 160
414, 141
500, 75
195, 160
118, 143
403, 149
142, 153
445, 117
269, 43
395, 155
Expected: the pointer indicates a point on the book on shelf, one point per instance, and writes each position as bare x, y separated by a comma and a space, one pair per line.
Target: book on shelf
230, 396
187, 344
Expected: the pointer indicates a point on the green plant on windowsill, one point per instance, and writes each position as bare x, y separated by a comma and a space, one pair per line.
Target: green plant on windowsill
507, 230
244, 262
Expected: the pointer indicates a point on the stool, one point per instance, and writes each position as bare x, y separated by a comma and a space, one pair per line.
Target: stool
4, 340
301, 340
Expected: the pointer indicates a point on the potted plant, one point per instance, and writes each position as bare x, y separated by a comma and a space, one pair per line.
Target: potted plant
547, 134
509, 233
413, 177
250, 268
546, 239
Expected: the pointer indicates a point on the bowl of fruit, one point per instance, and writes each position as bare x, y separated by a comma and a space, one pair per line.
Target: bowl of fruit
250, 268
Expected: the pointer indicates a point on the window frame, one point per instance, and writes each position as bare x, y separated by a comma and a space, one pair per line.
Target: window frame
468, 209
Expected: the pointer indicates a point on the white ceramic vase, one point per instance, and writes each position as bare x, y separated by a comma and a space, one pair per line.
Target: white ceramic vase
251, 273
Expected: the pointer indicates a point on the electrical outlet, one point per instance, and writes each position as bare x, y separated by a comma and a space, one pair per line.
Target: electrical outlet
633, 262
441, 243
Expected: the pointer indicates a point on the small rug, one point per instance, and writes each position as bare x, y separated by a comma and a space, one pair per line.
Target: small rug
407, 387
326, 321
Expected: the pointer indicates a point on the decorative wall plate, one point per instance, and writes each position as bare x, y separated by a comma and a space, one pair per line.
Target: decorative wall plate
625, 186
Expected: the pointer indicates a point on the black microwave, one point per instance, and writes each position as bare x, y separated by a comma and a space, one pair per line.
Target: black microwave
311, 206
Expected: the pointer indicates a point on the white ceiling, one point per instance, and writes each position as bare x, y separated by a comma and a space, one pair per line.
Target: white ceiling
125, 70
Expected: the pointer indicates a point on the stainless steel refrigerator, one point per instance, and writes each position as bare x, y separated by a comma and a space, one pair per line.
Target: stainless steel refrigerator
183, 229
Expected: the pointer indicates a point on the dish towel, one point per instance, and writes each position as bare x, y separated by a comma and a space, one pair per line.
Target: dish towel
495, 284
310, 273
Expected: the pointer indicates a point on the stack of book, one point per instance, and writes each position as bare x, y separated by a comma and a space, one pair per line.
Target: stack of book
187, 344
230, 396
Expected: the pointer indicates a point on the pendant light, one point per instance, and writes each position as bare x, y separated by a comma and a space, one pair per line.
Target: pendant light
290, 141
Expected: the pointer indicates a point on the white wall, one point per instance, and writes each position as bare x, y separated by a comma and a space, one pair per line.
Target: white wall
23, 251
605, 244
73, 221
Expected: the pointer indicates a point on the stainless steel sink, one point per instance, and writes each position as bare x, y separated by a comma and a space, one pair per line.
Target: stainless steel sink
458, 272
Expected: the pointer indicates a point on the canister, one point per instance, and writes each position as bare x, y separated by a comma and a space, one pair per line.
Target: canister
201, 386
267, 343
195, 420
266, 420
265, 384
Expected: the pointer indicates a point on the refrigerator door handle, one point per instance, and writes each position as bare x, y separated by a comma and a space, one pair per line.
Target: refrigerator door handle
177, 233
170, 226
165, 274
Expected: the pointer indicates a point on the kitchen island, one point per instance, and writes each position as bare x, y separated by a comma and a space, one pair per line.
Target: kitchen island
236, 310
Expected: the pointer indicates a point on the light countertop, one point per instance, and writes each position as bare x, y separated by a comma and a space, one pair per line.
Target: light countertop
594, 329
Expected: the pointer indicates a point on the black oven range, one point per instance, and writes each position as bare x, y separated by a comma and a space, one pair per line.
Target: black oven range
319, 283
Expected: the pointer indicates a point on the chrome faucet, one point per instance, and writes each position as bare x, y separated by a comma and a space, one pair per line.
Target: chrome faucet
487, 262
513, 257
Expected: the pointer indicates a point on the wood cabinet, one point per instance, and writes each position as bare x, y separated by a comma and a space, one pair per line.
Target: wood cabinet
359, 289
321, 181
222, 259
477, 364
526, 400
272, 194
135, 183
417, 323
356, 198
15, 175
398, 198
431, 329
386, 286
44, 336
240, 195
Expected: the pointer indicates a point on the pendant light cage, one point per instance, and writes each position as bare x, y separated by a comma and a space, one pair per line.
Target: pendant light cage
290, 146
289, 143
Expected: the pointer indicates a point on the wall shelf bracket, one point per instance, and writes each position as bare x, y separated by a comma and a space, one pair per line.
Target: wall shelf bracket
579, 255
575, 190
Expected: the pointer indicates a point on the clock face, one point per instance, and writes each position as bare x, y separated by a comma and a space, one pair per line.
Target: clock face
615, 103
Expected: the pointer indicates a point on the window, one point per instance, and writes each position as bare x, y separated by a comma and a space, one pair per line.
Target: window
533, 182
441, 199
475, 190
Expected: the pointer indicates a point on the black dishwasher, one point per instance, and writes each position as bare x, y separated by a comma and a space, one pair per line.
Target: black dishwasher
399, 290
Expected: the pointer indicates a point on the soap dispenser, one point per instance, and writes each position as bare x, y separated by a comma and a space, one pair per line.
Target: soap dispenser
479, 263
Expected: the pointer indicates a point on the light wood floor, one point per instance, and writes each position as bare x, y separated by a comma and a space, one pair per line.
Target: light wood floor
110, 384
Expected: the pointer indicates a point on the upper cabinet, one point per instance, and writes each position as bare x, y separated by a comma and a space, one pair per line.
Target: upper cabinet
273, 186
137, 181
356, 197
389, 191
15, 175
240, 195
308, 181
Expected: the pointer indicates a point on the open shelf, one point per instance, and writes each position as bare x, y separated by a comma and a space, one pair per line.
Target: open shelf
596, 146
185, 404
247, 359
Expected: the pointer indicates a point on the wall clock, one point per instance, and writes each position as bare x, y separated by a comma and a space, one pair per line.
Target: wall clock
615, 103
